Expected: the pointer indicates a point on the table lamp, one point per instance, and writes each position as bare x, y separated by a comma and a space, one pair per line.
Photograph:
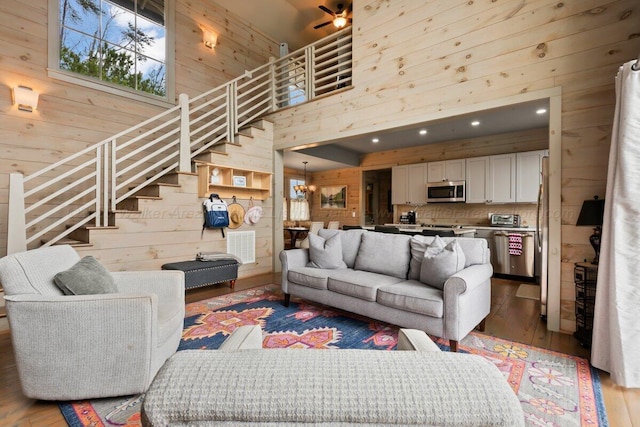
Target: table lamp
591, 214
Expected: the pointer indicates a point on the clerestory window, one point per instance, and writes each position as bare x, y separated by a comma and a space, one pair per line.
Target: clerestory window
117, 44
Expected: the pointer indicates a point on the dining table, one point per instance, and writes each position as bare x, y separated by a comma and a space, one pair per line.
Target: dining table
296, 232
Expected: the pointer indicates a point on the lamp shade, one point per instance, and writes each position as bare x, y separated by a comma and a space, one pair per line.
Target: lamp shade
592, 212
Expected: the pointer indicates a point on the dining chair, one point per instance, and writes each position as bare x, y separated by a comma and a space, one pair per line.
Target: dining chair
313, 228
333, 225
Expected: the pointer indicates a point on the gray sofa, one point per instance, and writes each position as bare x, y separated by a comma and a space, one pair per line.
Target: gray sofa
384, 277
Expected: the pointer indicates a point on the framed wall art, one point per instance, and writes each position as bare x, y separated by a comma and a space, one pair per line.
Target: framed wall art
333, 197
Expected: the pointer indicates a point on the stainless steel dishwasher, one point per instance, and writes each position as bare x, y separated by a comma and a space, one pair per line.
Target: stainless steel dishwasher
514, 253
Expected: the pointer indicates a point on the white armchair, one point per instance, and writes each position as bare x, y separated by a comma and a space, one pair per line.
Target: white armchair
70, 347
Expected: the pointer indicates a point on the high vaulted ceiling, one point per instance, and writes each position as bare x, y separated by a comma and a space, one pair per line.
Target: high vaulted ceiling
292, 21
289, 21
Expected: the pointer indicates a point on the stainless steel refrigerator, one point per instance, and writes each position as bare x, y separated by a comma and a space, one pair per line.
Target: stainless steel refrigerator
542, 236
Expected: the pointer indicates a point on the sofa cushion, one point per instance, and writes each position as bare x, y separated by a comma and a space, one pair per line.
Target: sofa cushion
325, 253
440, 264
476, 251
413, 296
309, 276
358, 284
350, 243
86, 277
385, 254
418, 248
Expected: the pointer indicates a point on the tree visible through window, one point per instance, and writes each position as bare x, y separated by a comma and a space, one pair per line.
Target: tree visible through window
116, 41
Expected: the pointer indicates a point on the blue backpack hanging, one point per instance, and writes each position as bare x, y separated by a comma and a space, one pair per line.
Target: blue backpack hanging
216, 213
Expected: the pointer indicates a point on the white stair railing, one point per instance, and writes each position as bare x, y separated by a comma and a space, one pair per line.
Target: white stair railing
48, 205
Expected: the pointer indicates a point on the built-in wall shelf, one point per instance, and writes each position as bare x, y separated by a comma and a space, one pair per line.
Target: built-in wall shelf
229, 181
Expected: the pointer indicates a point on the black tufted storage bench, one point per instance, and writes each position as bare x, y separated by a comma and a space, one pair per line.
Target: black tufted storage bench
204, 273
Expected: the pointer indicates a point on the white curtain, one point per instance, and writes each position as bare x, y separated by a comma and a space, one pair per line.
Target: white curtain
299, 210
284, 209
616, 330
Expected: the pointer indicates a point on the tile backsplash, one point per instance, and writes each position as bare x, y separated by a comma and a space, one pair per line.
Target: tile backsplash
469, 214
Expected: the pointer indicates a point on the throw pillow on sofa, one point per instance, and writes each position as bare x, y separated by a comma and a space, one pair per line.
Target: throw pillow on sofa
325, 253
418, 247
86, 277
440, 264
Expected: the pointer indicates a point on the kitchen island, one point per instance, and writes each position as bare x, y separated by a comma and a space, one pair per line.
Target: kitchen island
458, 231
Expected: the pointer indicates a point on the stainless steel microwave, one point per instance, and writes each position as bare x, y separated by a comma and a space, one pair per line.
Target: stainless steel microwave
446, 192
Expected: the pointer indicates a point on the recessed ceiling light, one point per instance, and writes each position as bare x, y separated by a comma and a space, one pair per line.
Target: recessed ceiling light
375, 140
423, 132
541, 110
475, 123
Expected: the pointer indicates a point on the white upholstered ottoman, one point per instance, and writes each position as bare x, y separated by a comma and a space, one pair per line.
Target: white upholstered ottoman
277, 387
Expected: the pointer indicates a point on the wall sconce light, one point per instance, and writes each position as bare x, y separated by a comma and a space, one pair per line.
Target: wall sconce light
26, 98
209, 39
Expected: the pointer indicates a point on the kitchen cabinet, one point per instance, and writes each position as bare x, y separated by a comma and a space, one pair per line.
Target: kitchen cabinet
502, 180
446, 170
528, 175
408, 184
491, 179
477, 179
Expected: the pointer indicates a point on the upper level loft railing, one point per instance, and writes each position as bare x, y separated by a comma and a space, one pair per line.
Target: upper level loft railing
48, 205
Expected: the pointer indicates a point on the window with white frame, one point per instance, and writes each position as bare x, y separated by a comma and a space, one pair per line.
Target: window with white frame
293, 194
299, 206
118, 44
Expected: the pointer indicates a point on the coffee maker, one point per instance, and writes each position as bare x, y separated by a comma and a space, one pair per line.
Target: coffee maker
408, 217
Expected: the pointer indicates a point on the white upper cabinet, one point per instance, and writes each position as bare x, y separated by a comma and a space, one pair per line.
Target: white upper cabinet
408, 184
418, 184
446, 170
491, 179
399, 185
477, 179
529, 175
502, 179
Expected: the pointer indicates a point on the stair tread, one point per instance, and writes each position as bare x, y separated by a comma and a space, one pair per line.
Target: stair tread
3, 312
146, 197
254, 125
71, 242
245, 132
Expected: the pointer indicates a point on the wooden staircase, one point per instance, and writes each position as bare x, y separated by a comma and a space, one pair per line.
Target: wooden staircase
162, 222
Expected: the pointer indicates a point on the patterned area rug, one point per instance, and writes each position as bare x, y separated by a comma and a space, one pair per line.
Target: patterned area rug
555, 389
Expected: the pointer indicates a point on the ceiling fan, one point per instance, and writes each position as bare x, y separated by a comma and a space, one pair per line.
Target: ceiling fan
340, 16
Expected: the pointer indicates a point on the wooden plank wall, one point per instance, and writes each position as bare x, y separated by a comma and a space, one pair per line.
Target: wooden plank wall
414, 59
70, 117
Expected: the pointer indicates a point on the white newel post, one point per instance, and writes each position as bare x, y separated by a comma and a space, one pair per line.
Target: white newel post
16, 230
310, 84
184, 164
272, 83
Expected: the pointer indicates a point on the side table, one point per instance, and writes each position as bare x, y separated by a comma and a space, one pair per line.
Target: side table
585, 278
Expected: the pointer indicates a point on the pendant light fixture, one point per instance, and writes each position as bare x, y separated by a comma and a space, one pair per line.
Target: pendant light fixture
304, 188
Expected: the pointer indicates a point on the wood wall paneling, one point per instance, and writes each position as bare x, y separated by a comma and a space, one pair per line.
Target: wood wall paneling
413, 62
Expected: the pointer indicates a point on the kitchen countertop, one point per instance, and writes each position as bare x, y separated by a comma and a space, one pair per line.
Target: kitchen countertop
480, 227
408, 228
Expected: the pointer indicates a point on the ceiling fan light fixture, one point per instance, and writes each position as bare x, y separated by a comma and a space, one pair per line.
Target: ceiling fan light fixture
340, 21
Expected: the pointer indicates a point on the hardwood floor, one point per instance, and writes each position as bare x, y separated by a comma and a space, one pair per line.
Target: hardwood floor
511, 318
